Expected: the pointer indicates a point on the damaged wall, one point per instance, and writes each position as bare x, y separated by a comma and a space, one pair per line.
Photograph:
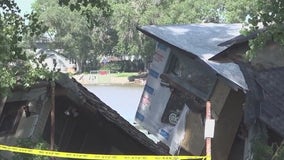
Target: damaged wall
31, 120
189, 83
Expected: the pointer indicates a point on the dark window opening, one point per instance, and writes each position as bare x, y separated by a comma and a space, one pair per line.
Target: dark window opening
10, 117
191, 83
191, 74
174, 107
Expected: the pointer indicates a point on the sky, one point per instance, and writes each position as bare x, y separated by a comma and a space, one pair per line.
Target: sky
25, 5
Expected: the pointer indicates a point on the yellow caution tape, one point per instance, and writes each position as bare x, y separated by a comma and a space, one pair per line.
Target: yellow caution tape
97, 156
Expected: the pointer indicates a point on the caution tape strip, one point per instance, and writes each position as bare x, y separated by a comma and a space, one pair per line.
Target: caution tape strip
97, 156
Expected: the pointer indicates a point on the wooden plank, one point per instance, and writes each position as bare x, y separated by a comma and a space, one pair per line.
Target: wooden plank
227, 125
193, 141
218, 98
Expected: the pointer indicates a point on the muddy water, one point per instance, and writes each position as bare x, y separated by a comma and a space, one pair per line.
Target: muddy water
123, 99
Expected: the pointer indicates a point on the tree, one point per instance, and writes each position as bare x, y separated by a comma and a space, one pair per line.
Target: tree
129, 14
79, 29
270, 15
17, 67
237, 11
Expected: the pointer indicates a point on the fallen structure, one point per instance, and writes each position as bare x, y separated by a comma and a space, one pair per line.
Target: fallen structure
186, 72
263, 110
83, 123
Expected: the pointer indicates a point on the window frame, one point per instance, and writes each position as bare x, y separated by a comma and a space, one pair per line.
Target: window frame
181, 84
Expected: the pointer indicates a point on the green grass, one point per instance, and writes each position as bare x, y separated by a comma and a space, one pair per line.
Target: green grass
124, 74
120, 74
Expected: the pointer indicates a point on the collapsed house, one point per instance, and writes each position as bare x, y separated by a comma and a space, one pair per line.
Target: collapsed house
264, 74
196, 63
182, 78
83, 123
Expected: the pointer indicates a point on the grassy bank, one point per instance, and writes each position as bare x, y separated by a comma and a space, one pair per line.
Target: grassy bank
109, 78
124, 74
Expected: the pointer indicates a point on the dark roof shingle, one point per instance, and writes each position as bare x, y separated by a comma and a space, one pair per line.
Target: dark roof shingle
272, 105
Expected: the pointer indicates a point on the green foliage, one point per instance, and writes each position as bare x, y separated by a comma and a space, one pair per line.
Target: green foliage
16, 66
269, 16
237, 11
125, 74
85, 7
261, 150
108, 27
127, 15
29, 143
84, 29
279, 154
79, 38
113, 67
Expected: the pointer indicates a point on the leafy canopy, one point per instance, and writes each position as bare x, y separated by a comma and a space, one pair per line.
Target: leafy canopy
81, 29
269, 17
128, 14
17, 67
85, 29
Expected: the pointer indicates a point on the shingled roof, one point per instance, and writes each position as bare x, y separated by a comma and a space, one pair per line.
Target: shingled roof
265, 96
79, 94
201, 41
272, 104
